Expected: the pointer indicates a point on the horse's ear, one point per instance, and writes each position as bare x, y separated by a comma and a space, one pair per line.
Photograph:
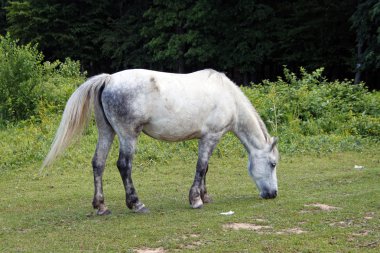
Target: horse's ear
274, 142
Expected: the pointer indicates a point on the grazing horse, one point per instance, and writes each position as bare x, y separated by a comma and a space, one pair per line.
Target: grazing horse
171, 107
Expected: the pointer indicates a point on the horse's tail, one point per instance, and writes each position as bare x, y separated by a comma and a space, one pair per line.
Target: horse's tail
76, 115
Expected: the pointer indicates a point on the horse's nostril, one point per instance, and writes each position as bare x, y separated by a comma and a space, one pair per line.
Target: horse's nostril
269, 194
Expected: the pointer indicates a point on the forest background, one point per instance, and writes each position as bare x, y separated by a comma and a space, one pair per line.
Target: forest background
248, 40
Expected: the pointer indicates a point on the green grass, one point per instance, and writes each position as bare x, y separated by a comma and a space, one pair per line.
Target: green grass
53, 213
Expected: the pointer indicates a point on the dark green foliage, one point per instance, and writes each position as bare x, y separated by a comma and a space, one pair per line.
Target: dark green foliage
60, 28
3, 23
366, 24
120, 40
184, 34
248, 40
313, 32
168, 33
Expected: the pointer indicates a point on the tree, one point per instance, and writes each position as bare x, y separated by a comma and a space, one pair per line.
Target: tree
61, 28
366, 24
3, 21
121, 40
314, 34
246, 41
250, 40
229, 36
167, 32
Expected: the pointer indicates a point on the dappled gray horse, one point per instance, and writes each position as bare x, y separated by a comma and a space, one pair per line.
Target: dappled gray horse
171, 107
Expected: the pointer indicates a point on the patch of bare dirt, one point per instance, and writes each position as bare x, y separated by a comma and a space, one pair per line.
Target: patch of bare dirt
246, 226
260, 220
323, 207
296, 231
263, 229
150, 250
190, 236
369, 216
342, 224
373, 244
361, 233
192, 245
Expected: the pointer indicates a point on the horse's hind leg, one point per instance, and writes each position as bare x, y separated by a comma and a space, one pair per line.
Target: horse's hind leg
106, 136
198, 193
124, 164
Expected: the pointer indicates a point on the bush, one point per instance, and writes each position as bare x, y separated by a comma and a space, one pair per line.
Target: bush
312, 106
20, 73
308, 113
60, 81
29, 85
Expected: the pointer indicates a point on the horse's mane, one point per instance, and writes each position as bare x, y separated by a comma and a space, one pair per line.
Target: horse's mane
246, 102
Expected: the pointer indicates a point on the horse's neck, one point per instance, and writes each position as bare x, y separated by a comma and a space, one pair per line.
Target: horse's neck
250, 129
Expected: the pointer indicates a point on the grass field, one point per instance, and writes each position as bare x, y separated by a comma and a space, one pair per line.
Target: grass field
324, 204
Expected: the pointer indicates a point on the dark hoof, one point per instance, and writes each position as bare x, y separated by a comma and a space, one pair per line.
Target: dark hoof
103, 212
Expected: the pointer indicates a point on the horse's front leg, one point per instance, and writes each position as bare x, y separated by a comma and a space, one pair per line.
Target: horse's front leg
124, 165
204, 195
198, 192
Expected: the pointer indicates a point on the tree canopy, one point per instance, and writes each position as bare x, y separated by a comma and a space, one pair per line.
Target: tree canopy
250, 40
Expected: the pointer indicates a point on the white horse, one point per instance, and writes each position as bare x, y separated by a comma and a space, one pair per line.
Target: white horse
172, 107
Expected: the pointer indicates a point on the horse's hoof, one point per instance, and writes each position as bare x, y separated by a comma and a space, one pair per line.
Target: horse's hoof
140, 208
103, 212
207, 199
197, 203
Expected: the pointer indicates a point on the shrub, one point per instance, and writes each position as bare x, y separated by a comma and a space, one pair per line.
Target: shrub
20, 73
311, 106
29, 85
60, 81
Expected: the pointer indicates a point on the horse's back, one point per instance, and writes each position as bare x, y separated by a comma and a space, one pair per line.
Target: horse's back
169, 106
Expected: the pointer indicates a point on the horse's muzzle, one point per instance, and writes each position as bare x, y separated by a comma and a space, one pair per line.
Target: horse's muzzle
268, 194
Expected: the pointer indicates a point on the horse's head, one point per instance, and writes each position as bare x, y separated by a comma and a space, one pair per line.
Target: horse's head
262, 168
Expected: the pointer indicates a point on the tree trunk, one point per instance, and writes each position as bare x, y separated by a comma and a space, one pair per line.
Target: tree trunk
359, 63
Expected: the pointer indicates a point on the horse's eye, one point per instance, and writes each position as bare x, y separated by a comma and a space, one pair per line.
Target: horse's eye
273, 164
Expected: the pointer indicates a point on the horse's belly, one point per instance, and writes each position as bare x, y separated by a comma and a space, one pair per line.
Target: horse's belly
185, 117
169, 130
